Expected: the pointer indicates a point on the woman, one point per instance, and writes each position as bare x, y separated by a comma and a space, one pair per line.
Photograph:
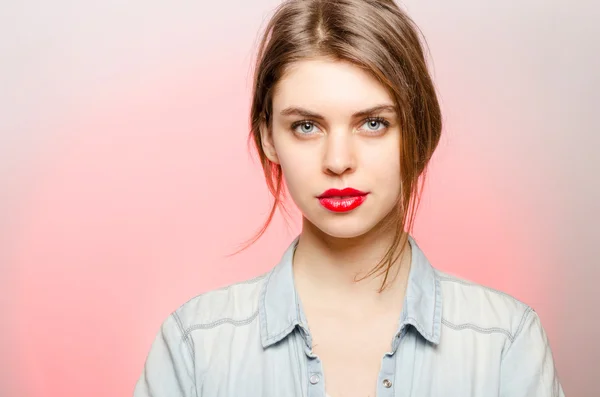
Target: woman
345, 117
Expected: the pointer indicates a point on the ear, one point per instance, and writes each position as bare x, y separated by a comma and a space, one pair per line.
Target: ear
266, 137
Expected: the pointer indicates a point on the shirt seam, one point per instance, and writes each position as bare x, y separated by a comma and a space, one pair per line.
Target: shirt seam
437, 308
472, 284
225, 288
263, 307
524, 317
434, 305
225, 320
183, 334
490, 330
189, 346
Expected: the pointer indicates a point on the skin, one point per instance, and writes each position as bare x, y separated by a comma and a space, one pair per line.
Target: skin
352, 324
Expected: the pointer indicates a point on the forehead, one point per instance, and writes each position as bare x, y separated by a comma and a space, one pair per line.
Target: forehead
328, 85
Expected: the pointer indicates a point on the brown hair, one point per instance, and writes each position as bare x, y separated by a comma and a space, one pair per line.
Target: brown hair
377, 36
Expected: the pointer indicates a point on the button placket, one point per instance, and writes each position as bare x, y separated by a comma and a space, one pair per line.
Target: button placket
386, 376
316, 387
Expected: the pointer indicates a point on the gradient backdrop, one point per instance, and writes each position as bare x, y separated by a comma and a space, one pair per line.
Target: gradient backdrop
125, 178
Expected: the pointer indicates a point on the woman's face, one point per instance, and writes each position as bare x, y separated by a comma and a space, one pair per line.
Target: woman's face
334, 127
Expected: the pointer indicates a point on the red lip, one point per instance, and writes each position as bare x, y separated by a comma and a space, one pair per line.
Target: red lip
346, 192
342, 200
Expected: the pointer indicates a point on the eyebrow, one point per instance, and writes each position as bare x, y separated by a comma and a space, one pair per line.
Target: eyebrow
291, 111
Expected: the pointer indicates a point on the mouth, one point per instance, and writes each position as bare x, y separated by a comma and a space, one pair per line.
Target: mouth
344, 200
342, 194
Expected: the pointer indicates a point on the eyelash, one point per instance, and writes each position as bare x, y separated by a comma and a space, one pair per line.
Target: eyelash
381, 120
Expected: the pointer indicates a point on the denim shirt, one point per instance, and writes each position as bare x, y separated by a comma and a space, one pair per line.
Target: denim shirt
454, 338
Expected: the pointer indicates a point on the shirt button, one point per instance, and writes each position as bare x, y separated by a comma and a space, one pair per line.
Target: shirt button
314, 379
387, 383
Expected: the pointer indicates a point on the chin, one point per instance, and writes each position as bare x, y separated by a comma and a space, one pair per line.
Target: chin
342, 233
342, 226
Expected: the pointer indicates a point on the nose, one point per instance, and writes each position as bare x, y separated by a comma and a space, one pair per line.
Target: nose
339, 156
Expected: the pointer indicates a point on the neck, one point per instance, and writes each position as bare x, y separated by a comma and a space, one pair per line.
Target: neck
327, 268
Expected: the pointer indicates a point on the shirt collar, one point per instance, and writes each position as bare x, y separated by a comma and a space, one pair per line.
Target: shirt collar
280, 310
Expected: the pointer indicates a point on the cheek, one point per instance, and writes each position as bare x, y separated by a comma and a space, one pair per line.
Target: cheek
383, 160
298, 170
383, 171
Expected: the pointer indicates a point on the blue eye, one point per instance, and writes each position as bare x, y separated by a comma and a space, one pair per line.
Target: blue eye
373, 123
370, 126
304, 127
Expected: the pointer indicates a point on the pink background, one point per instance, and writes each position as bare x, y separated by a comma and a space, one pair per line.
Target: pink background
125, 178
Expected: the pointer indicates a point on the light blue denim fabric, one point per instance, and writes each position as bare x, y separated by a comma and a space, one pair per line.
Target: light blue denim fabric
454, 338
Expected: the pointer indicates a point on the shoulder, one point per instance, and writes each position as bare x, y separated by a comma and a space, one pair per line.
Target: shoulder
235, 304
469, 305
